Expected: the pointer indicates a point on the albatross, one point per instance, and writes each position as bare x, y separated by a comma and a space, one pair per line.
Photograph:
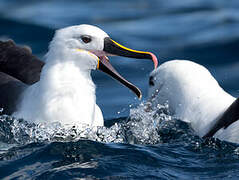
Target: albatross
194, 96
61, 89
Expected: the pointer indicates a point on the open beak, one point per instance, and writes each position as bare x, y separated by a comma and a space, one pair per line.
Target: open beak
113, 48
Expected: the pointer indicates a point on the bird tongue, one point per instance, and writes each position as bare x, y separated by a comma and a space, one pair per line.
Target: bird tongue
104, 58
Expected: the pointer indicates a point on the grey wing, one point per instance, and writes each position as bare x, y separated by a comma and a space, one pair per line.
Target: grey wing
19, 63
18, 69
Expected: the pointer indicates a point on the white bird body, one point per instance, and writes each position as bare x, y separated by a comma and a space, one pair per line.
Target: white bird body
193, 95
66, 92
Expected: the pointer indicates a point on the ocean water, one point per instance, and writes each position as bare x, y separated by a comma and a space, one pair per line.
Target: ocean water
134, 144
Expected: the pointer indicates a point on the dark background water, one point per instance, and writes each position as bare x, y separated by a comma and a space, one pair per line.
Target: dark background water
206, 32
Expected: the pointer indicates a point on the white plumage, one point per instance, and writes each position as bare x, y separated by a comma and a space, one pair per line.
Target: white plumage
66, 92
193, 95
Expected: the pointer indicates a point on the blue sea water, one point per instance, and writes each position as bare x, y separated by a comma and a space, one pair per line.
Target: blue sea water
143, 146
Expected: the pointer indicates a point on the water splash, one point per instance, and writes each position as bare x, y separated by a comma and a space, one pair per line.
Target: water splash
151, 126
147, 124
142, 127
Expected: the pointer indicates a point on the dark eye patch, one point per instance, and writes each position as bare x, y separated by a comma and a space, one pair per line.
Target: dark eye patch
86, 39
151, 81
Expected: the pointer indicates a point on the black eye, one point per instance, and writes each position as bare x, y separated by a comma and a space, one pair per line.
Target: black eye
151, 81
86, 39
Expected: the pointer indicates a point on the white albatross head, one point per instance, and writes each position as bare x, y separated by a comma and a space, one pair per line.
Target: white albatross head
191, 92
82, 44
